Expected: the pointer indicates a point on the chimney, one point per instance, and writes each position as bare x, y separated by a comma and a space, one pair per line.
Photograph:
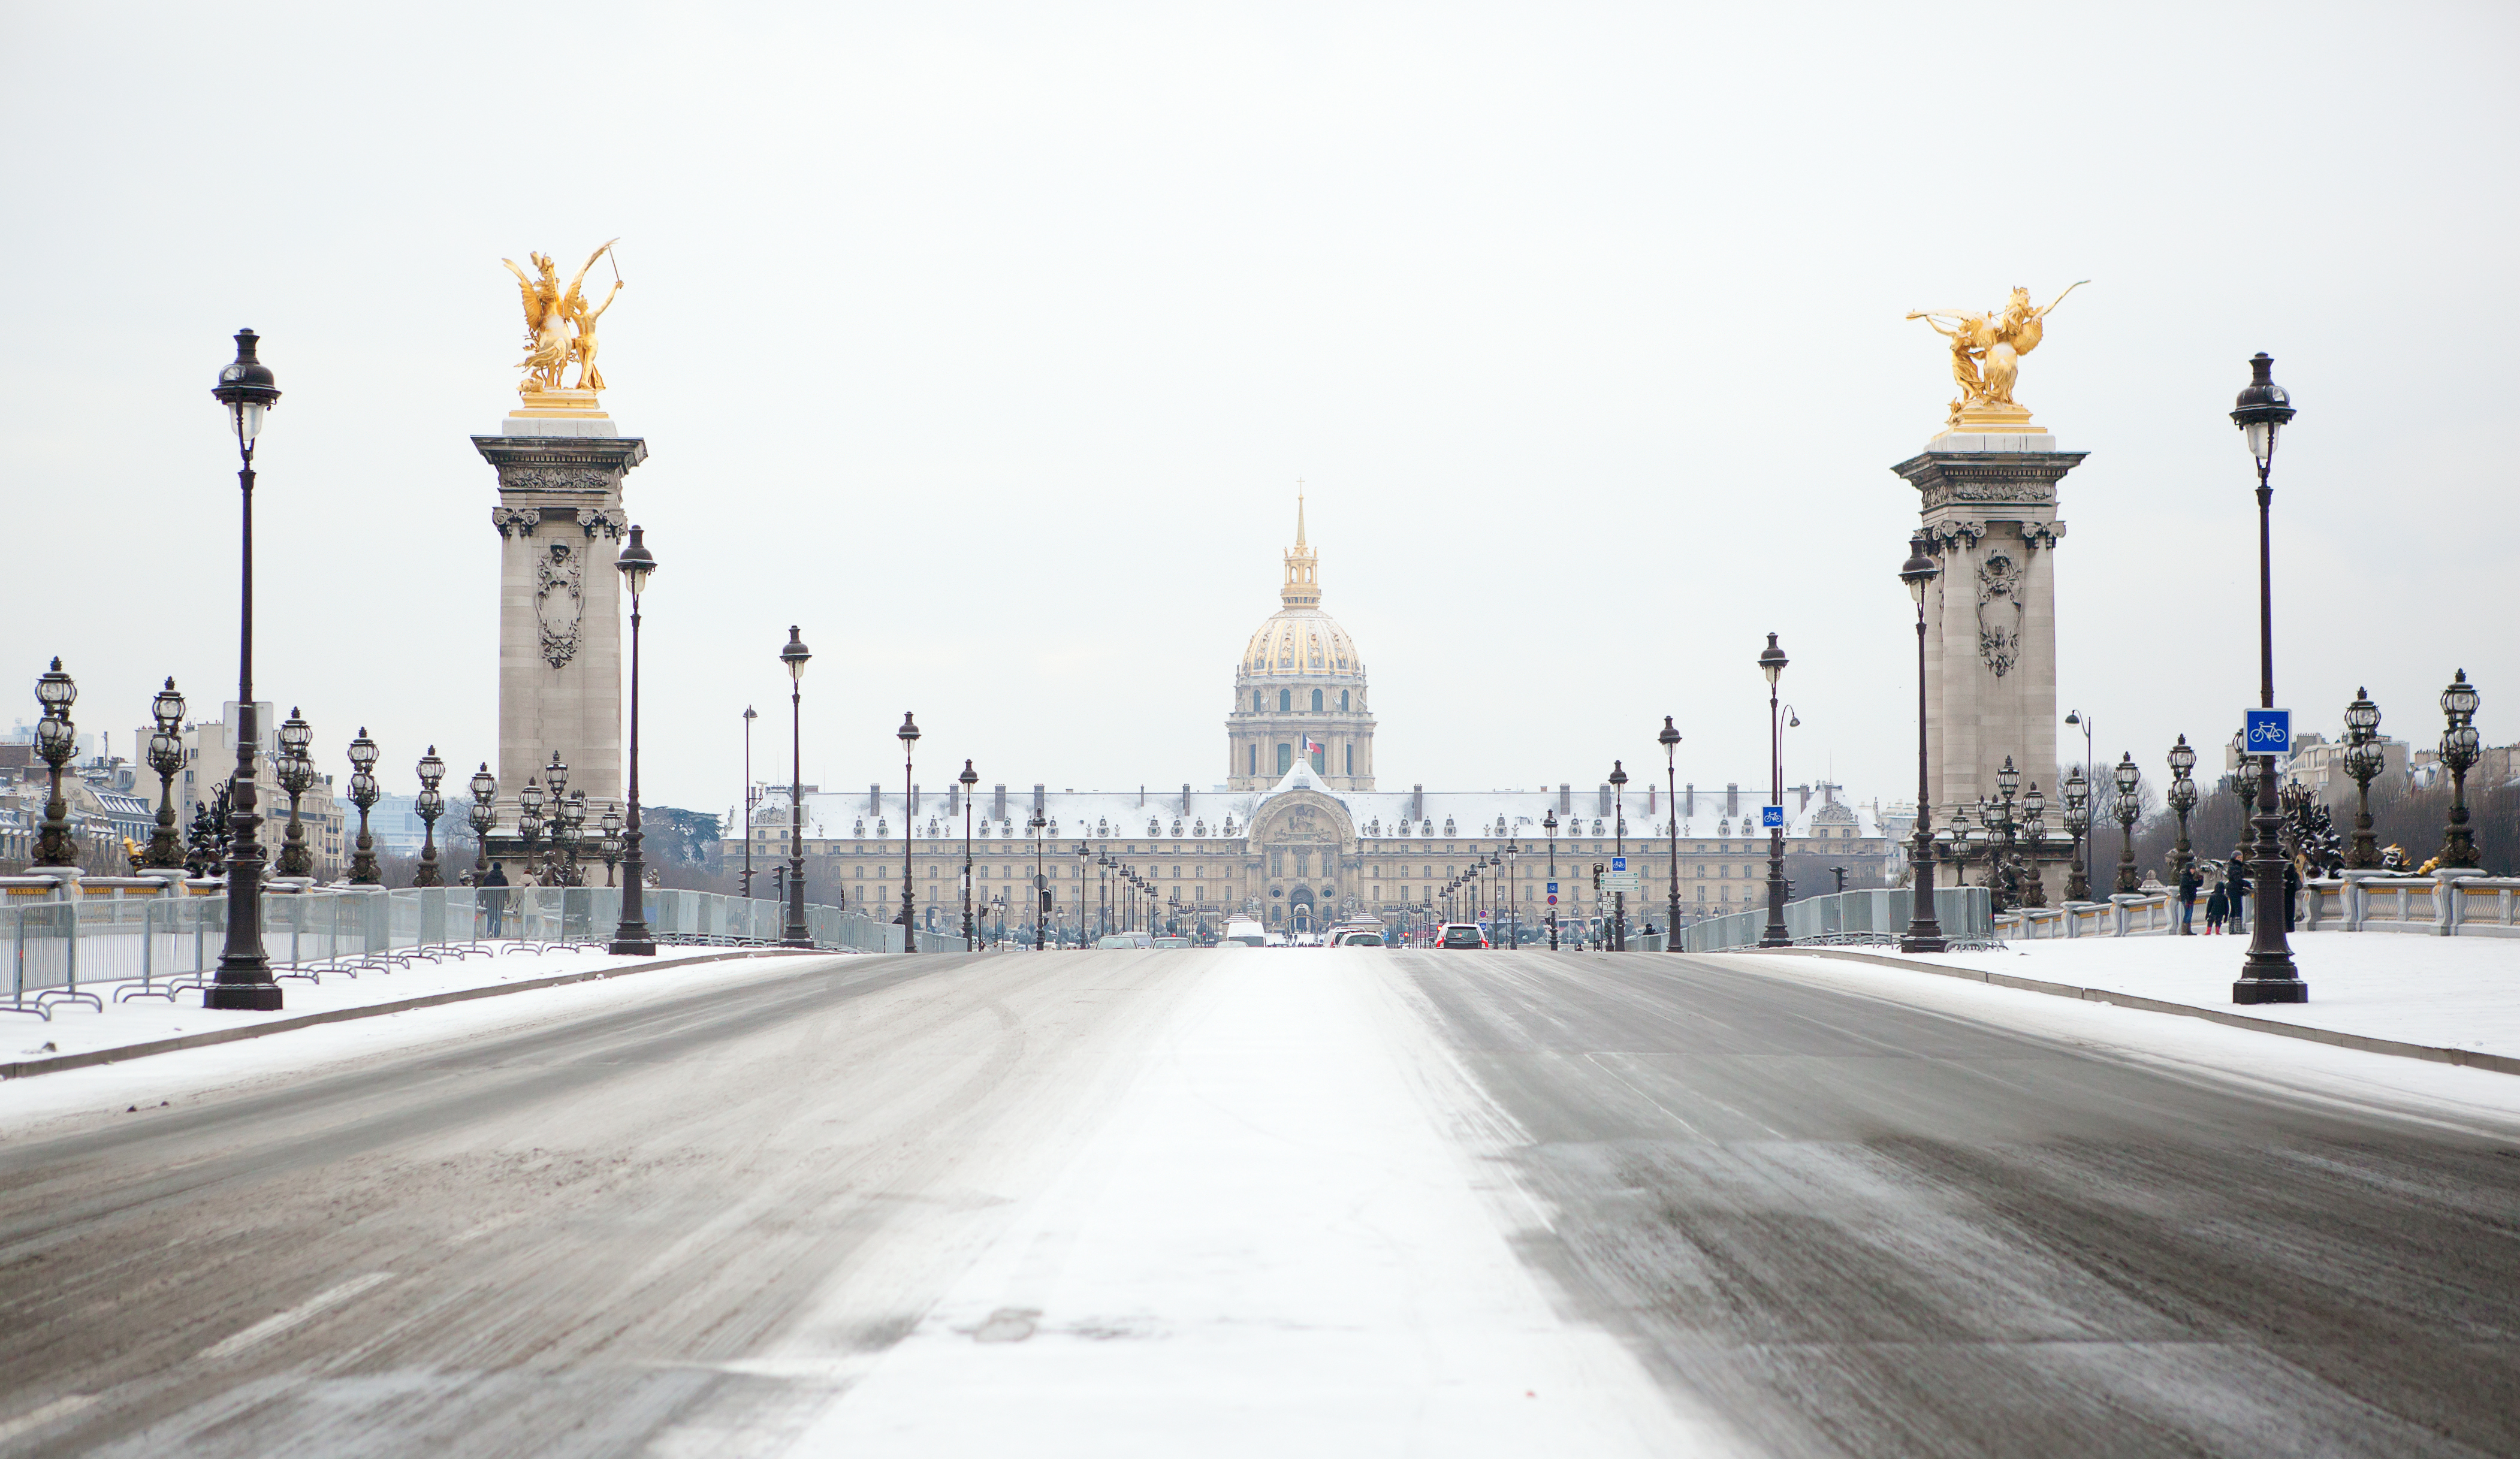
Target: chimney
1688, 807
997, 812
1604, 808
1651, 790
1805, 792
1185, 810
1417, 801
1141, 797
914, 798
1565, 797
953, 799
1040, 798
1733, 798
875, 800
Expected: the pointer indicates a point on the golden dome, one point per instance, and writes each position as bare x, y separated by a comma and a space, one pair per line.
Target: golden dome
1300, 639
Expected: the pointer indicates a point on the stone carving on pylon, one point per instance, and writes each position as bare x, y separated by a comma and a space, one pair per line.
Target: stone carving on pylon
1999, 612
560, 602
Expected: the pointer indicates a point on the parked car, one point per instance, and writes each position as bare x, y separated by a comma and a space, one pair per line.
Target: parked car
1462, 935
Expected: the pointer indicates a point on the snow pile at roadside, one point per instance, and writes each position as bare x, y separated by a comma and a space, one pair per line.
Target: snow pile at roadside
77, 1029
2439, 992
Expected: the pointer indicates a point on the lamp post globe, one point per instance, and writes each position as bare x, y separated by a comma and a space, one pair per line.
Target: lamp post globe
1772, 663
1924, 932
296, 775
2267, 974
247, 391
2363, 761
2462, 746
57, 743
2128, 775
630, 936
908, 734
483, 815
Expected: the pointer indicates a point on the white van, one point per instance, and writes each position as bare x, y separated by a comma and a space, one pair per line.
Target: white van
1243, 932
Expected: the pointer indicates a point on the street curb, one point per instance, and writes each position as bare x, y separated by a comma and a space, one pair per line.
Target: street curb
29, 1068
2467, 1058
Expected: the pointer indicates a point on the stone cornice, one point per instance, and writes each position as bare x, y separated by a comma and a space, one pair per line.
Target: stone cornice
2027, 478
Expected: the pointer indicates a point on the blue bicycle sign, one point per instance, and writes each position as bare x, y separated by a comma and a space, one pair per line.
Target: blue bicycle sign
2270, 732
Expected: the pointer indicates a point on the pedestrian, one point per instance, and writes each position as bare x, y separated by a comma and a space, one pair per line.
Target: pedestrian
494, 896
2237, 882
2292, 896
2217, 907
2188, 884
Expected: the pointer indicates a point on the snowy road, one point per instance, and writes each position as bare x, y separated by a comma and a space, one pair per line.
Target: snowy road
1253, 1202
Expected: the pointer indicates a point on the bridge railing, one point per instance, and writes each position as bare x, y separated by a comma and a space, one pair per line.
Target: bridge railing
1867, 915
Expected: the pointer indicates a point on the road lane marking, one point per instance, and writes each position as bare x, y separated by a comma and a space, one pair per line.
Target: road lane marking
314, 1307
62, 1407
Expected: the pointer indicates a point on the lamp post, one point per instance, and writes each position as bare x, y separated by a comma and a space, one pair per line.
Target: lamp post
1670, 739
2182, 799
969, 779
484, 814
1772, 662
908, 733
796, 934
1549, 823
1619, 851
2460, 748
165, 757
2364, 759
2128, 778
1924, 928
428, 805
572, 839
2078, 823
530, 821
1514, 903
631, 937
2004, 870
1084, 859
2077, 883
748, 799
248, 390
2267, 974
611, 844
56, 741
296, 776
555, 786
2033, 836
364, 793
1040, 884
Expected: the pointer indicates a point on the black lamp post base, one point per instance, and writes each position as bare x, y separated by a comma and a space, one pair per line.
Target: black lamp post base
242, 997
2270, 990
1923, 945
623, 947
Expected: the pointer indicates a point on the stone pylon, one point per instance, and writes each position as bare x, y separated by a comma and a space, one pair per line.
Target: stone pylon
561, 521
1990, 512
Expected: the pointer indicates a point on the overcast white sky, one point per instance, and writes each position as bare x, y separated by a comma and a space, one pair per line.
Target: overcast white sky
988, 344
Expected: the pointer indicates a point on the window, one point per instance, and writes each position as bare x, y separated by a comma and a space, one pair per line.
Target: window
1285, 757
1343, 701
1255, 701
1316, 701
1255, 749
1351, 749
1286, 701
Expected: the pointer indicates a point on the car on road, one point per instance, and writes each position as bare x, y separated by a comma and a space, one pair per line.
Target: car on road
1357, 937
1125, 939
1462, 935
1243, 932
1173, 942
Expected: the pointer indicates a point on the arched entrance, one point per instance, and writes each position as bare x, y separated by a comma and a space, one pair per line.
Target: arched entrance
1300, 909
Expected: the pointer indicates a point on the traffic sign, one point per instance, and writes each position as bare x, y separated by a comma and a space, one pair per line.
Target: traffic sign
1618, 863
1623, 881
2270, 732
1552, 891
1553, 897
1771, 818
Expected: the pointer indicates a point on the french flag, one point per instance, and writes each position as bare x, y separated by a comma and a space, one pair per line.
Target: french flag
1314, 746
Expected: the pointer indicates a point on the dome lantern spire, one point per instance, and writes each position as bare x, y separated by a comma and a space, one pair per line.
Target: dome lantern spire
1303, 588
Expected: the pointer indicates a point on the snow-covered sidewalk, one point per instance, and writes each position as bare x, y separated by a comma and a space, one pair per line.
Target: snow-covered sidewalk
2438, 993
136, 1025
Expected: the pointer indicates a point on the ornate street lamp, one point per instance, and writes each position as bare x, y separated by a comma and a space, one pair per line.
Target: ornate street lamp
969, 779
796, 934
2267, 974
2078, 824
296, 771
1040, 883
1670, 741
2128, 778
2182, 799
429, 805
57, 741
483, 815
1619, 840
1925, 929
363, 792
2364, 759
1549, 823
749, 797
2460, 748
1514, 903
609, 844
908, 734
2034, 835
630, 937
165, 757
1772, 662
529, 820
2006, 863
248, 390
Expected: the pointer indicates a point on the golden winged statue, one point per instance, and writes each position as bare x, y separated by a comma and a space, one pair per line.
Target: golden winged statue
551, 314
1986, 353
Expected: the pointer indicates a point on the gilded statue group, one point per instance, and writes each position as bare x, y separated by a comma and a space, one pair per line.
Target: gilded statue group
1987, 348
551, 314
